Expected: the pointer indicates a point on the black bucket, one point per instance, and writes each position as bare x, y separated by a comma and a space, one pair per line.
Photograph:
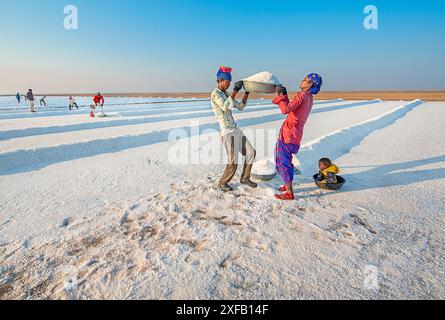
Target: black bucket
330, 186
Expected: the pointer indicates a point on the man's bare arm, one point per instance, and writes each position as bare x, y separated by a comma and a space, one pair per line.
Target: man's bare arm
246, 96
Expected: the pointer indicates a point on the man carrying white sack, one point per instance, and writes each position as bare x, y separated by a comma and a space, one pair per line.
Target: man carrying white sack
233, 138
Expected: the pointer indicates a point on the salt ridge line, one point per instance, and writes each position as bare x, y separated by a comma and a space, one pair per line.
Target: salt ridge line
105, 133
26, 132
48, 113
146, 137
24, 108
51, 108
35, 131
143, 112
122, 109
128, 112
127, 103
138, 112
131, 116
26, 160
340, 142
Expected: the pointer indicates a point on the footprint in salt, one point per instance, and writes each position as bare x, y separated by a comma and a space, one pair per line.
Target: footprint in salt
269, 192
66, 222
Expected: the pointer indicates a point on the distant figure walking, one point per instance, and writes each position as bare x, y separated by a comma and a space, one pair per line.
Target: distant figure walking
72, 103
98, 101
30, 98
42, 101
18, 97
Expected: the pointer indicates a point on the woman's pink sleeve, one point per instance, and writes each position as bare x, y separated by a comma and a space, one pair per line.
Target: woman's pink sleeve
286, 106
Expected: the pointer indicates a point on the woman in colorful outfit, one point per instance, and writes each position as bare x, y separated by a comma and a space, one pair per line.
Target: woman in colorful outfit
291, 133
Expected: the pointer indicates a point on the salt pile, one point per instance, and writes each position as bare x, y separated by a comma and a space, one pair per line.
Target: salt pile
263, 167
264, 77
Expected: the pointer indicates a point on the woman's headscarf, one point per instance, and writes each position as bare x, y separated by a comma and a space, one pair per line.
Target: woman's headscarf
317, 82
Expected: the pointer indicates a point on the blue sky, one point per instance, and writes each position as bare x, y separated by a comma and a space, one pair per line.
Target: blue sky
168, 45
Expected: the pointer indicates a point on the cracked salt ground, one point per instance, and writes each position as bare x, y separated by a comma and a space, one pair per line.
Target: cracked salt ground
159, 235
134, 232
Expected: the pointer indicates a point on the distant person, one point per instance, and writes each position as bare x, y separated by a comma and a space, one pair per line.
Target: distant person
30, 98
291, 133
42, 101
72, 103
18, 97
98, 102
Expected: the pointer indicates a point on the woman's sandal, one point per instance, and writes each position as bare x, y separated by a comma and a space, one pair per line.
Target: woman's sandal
285, 196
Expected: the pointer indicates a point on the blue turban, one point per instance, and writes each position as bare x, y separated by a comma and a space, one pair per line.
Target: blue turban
224, 73
317, 82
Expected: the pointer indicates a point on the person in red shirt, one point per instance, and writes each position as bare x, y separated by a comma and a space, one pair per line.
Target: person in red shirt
98, 101
291, 132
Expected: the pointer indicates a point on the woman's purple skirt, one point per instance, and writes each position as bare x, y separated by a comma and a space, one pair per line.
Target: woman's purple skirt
283, 160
